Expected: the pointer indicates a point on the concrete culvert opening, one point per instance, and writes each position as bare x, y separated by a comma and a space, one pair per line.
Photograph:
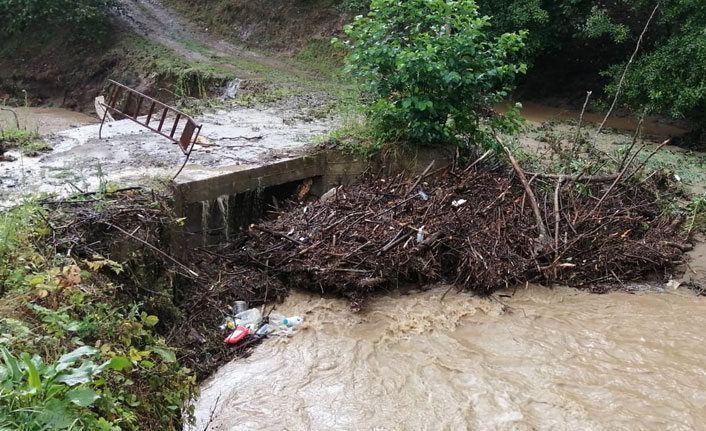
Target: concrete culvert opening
229, 214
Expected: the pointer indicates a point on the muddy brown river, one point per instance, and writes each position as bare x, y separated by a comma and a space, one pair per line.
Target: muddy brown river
543, 359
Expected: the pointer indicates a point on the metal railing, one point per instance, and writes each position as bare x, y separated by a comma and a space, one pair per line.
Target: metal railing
124, 102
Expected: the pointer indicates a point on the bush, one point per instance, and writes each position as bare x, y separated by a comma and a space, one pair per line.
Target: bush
77, 352
429, 70
84, 16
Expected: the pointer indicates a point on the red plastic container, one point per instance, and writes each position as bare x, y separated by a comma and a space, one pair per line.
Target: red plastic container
237, 335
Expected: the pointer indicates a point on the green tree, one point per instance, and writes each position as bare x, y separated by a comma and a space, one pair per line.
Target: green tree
583, 45
669, 77
429, 70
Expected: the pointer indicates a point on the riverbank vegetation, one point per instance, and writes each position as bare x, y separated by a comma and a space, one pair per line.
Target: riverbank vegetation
78, 353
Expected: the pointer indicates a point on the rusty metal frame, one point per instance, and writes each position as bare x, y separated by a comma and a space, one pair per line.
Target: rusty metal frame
118, 101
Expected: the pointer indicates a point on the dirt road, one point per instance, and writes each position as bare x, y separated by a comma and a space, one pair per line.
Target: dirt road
159, 23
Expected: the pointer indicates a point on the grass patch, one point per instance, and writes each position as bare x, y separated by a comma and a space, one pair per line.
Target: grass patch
28, 143
323, 57
193, 45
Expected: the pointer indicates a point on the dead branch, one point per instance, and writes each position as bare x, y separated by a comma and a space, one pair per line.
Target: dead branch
578, 127
625, 72
557, 214
587, 178
543, 236
419, 179
277, 234
634, 139
186, 268
644, 163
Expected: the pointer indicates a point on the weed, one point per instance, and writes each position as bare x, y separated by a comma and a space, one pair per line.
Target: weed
696, 214
28, 143
74, 355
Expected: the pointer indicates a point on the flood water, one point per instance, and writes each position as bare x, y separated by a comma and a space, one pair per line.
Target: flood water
543, 359
45, 120
538, 113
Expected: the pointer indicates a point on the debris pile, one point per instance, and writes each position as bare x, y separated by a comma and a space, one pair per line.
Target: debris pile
474, 228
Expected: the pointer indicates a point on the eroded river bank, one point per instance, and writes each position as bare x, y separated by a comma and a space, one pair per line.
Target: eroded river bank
531, 359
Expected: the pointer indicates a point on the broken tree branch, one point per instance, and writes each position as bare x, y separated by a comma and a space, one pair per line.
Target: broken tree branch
186, 268
625, 72
543, 236
578, 128
644, 163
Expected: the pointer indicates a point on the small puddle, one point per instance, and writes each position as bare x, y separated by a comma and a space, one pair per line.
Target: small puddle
552, 359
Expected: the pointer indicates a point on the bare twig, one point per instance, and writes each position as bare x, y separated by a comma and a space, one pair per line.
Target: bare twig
409, 190
622, 172
644, 163
557, 213
543, 236
480, 159
212, 414
625, 72
634, 139
186, 268
578, 128
587, 178
277, 234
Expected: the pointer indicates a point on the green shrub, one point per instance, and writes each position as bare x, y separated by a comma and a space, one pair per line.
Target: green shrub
58, 308
429, 70
86, 17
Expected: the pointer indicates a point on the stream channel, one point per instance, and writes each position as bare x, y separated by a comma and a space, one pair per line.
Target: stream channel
532, 359
536, 358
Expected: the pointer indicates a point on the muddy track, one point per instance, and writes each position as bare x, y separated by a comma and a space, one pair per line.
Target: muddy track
161, 24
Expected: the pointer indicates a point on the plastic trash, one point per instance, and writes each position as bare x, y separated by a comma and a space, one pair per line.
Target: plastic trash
229, 323
420, 235
293, 322
251, 317
290, 322
457, 203
239, 307
237, 335
276, 319
264, 330
423, 195
329, 194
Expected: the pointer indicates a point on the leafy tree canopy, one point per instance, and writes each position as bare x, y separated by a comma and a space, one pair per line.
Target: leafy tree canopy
429, 68
667, 76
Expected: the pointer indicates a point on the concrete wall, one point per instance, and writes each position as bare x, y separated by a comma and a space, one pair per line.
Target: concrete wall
217, 206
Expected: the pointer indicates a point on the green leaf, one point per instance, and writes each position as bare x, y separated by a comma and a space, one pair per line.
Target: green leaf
149, 320
147, 364
56, 415
53, 391
82, 397
166, 354
79, 375
72, 357
117, 363
33, 375
12, 364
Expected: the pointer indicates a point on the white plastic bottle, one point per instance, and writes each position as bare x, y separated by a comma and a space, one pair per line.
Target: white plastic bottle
294, 321
277, 319
251, 317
